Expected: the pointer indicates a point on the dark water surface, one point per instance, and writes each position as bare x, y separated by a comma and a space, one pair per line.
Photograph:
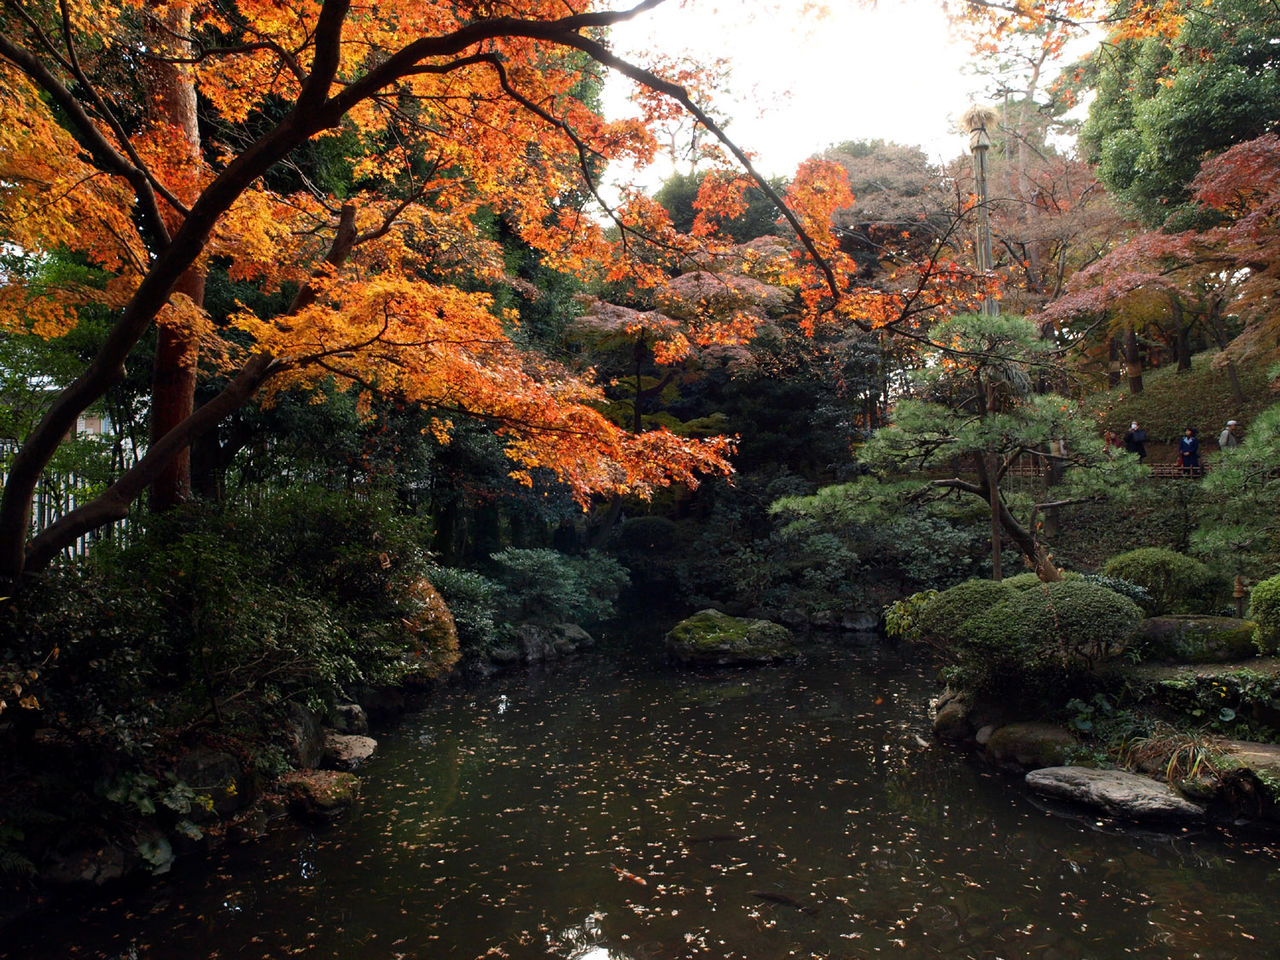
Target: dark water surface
632, 812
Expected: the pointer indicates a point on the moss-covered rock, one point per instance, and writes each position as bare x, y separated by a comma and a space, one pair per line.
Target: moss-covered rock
952, 723
320, 797
1196, 639
1031, 744
715, 639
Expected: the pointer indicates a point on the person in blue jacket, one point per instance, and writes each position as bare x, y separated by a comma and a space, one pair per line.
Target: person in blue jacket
1189, 452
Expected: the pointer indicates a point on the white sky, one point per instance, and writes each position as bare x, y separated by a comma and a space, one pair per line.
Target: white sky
800, 83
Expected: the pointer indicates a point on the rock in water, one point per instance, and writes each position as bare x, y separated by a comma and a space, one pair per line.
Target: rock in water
350, 718
1030, 744
952, 721
321, 797
714, 639
344, 751
1117, 793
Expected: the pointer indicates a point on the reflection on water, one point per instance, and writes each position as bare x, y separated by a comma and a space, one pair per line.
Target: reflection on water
639, 813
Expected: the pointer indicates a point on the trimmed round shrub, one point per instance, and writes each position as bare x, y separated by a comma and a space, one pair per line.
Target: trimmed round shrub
1175, 583
1025, 581
1264, 610
942, 618
1041, 641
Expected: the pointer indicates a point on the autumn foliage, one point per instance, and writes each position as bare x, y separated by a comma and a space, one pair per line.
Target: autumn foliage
447, 114
1232, 261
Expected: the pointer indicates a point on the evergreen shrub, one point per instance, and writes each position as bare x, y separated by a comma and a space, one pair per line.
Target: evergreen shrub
210, 614
941, 621
1029, 579
1264, 610
1175, 583
1023, 581
1042, 642
546, 586
1126, 588
473, 600
902, 617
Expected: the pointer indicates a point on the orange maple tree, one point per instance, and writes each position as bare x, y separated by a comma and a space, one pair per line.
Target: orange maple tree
459, 109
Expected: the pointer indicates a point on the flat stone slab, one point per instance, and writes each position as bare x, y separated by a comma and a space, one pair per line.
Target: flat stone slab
1117, 793
1259, 757
1164, 671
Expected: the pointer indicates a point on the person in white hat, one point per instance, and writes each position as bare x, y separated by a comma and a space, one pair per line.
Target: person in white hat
1227, 438
1135, 441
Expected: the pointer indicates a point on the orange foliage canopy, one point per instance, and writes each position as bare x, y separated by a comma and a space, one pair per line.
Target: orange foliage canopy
457, 109
989, 23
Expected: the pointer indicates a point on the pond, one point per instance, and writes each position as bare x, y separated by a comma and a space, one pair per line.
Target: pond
628, 811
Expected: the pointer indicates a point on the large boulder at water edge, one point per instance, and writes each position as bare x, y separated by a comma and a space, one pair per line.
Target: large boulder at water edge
951, 722
303, 738
216, 776
1116, 793
350, 718
346, 751
1191, 638
1030, 744
714, 639
537, 643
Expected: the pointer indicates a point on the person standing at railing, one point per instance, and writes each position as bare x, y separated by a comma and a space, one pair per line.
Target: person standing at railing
1189, 453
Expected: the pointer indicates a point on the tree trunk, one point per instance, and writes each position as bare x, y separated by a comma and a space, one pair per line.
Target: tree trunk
310, 114
1031, 548
113, 503
1132, 361
1181, 333
1053, 473
1115, 369
985, 464
1214, 315
171, 107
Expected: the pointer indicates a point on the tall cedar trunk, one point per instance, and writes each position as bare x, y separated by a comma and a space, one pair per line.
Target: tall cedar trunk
986, 464
1115, 369
1181, 333
207, 473
171, 104
993, 496
1214, 315
1132, 361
